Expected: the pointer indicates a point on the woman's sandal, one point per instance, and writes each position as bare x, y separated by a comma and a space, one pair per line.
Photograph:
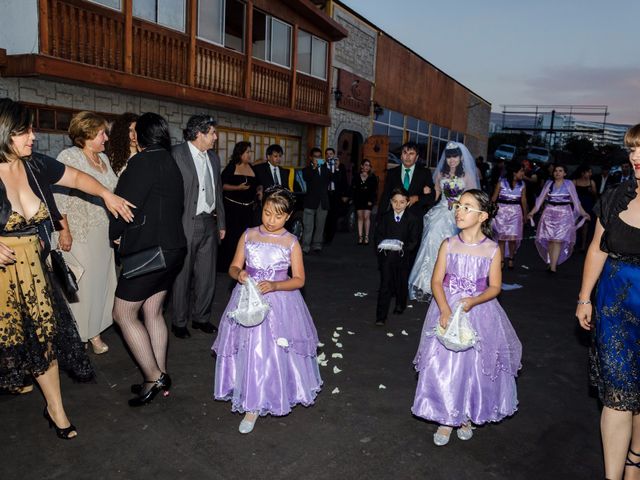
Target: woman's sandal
360, 240
63, 433
366, 240
630, 463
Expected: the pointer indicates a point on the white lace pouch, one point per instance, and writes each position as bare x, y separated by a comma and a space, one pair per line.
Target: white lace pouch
391, 244
459, 335
252, 307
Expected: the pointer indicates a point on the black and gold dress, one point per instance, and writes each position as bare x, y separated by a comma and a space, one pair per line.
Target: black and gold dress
36, 326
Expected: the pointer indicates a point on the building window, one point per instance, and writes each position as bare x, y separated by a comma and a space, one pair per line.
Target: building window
222, 22
271, 39
52, 119
439, 139
168, 13
114, 4
312, 55
228, 137
418, 132
392, 124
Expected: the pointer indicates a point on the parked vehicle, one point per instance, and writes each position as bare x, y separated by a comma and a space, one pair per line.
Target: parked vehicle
505, 151
538, 154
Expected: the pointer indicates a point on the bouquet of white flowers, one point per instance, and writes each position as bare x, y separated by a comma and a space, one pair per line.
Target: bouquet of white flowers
391, 244
459, 335
252, 308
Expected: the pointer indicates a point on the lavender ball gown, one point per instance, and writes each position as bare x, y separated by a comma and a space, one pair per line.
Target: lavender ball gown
271, 367
559, 220
477, 384
508, 223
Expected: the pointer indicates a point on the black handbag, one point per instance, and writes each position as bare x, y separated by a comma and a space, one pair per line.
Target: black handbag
63, 273
143, 262
66, 278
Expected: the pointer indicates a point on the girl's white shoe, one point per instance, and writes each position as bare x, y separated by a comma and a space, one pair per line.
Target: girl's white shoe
246, 426
442, 436
465, 432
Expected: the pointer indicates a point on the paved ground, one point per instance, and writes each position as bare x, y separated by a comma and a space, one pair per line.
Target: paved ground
363, 432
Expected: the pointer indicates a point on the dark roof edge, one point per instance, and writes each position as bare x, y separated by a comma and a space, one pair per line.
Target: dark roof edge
313, 13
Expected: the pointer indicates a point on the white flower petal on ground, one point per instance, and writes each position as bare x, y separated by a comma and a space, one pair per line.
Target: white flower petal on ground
360, 294
322, 357
335, 390
336, 369
381, 387
334, 340
350, 332
404, 332
338, 328
525, 267
389, 334
338, 344
336, 355
336, 335
282, 342
409, 306
324, 364
320, 344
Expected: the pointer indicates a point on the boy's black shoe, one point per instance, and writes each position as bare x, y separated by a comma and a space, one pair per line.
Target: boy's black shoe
380, 321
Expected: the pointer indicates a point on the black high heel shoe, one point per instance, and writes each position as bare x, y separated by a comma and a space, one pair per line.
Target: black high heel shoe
63, 433
163, 383
136, 388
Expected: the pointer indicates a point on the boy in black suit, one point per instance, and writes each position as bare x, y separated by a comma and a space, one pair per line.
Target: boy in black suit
399, 224
271, 173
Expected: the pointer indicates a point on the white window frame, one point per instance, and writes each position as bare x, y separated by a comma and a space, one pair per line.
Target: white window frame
223, 26
98, 2
269, 19
326, 55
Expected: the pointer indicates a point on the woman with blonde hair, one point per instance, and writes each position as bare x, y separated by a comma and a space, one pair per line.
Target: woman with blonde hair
85, 229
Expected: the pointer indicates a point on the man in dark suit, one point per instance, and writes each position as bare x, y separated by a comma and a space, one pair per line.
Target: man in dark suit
416, 180
316, 201
270, 172
625, 173
204, 226
396, 224
604, 180
338, 194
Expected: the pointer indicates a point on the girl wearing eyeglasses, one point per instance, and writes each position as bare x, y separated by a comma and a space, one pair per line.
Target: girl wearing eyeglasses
474, 386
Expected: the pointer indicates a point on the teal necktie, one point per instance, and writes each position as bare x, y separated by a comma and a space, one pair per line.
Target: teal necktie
407, 178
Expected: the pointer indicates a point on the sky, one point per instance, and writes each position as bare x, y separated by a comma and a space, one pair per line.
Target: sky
570, 52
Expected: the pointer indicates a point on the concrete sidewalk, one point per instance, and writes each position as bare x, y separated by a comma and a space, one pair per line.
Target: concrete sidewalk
363, 432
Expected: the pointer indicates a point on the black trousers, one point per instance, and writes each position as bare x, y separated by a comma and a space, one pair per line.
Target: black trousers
394, 282
337, 209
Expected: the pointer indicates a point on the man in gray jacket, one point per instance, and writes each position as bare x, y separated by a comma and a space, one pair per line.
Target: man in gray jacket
204, 226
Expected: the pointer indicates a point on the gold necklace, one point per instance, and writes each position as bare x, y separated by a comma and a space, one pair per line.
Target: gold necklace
97, 164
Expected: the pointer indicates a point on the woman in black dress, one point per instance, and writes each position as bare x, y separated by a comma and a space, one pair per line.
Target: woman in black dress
37, 332
365, 194
153, 182
239, 186
586, 188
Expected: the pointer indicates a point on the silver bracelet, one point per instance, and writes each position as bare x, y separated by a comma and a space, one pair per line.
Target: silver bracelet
584, 302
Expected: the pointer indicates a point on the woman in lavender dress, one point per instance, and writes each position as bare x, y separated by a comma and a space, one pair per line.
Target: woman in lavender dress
475, 386
510, 194
556, 234
271, 367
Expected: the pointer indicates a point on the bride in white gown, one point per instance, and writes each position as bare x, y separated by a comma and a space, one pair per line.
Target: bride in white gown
455, 173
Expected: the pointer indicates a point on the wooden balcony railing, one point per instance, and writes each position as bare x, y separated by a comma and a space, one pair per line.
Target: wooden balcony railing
219, 70
270, 84
87, 33
311, 94
160, 53
84, 33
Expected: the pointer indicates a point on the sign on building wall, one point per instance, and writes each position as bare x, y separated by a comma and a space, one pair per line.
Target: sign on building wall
356, 93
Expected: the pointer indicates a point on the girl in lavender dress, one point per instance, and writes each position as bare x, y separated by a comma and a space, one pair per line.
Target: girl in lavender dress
556, 234
475, 386
510, 194
455, 173
271, 367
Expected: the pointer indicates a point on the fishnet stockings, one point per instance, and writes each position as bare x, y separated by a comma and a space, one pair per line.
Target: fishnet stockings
148, 341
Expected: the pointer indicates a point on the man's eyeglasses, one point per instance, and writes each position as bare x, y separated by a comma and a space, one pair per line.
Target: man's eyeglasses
465, 208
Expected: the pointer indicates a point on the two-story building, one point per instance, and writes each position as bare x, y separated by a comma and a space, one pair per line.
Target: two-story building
262, 68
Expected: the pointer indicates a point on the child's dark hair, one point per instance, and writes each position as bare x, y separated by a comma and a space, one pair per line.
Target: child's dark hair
282, 199
486, 205
399, 191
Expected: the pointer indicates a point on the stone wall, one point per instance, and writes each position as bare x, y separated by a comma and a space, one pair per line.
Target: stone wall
67, 95
356, 54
